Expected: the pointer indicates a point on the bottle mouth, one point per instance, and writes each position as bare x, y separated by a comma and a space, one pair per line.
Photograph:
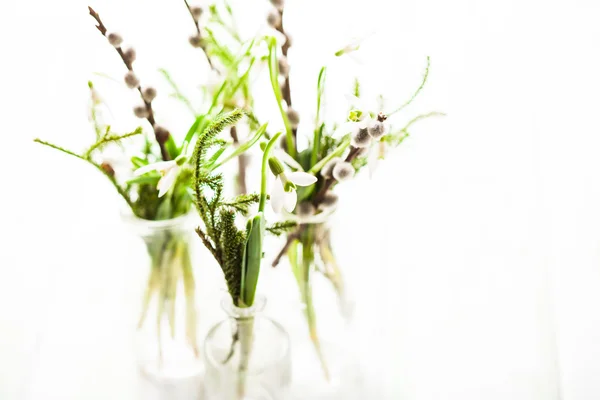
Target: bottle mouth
319, 218
243, 312
184, 222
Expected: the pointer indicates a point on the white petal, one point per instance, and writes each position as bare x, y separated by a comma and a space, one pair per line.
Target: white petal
289, 200
277, 196
356, 103
158, 166
165, 183
301, 178
287, 159
346, 127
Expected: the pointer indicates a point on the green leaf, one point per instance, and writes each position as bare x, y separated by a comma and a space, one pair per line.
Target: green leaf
253, 258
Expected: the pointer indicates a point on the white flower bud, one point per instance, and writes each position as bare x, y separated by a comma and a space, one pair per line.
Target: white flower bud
196, 12
196, 41
114, 39
141, 111
376, 129
328, 167
149, 94
278, 4
293, 117
130, 55
284, 66
343, 171
274, 18
361, 138
131, 80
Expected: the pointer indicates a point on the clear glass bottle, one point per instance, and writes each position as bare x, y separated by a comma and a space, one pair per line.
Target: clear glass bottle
167, 345
316, 306
247, 356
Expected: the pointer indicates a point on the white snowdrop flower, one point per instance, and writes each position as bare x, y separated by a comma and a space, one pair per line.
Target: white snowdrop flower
376, 154
274, 18
287, 159
283, 193
141, 111
293, 117
168, 170
114, 39
361, 138
343, 171
149, 94
131, 80
327, 169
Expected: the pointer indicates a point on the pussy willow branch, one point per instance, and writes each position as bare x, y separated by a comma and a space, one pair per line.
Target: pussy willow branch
242, 162
128, 63
290, 239
197, 25
286, 91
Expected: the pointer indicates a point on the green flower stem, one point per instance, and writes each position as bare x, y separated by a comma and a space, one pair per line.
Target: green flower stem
264, 169
416, 93
241, 149
274, 75
336, 153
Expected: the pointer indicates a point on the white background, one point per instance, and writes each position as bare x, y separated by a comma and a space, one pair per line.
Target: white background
477, 243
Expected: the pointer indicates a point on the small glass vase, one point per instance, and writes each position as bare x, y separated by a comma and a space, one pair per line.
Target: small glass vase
326, 364
167, 346
247, 356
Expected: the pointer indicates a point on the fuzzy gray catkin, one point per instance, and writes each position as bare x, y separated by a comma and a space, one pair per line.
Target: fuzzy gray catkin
293, 117
329, 200
284, 66
343, 171
130, 55
149, 94
278, 4
131, 80
114, 39
361, 138
328, 167
141, 111
196, 41
196, 12
274, 18
162, 134
376, 129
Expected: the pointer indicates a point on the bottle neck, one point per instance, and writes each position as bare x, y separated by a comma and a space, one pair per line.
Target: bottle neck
243, 313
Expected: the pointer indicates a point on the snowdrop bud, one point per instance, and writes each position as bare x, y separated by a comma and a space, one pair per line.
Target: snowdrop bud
196, 12
115, 39
108, 169
329, 200
277, 3
328, 167
284, 66
293, 117
196, 41
274, 18
276, 167
130, 55
162, 134
131, 80
361, 138
376, 129
141, 111
306, 209
343, 171
149, 94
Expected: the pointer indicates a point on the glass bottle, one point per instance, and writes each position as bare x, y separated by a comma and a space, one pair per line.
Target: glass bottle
247, 356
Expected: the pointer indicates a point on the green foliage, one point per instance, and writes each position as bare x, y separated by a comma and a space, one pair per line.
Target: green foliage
177, 94
243, 202
416, 93
279, 228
